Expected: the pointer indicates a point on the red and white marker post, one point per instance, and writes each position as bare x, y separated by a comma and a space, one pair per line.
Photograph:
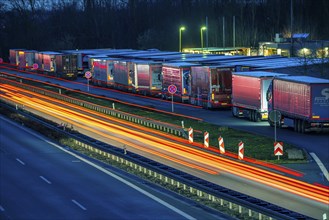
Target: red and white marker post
278, 149
190, 135
206, 139
221, 145
241, 150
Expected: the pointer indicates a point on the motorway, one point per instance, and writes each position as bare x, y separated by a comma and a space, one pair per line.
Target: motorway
276, 189
41, 180
312, 142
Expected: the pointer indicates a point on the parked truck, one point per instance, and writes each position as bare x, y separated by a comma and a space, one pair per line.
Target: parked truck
249, 91
66, 66
123, 71
178, 74
302, 102
146, 78
102, 71
211, 86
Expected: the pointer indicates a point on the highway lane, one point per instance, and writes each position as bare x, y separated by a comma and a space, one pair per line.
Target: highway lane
313, 142
224, 177
40, 181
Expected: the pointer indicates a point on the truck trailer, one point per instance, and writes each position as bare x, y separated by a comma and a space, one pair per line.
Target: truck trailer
66, 66
178, 74
249, 91
102, 71
146, 78
302, 101
211, 86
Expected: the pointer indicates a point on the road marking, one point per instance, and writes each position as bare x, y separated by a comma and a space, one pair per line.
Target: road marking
320, 164
178, 211
2, 209
20, 161
44, 179
76, 161
78, 204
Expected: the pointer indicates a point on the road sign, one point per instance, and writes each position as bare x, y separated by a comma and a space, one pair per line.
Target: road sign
190, 135
206, 139
221, 145
88, 74
241, 151
172, 89
278, 148
35, 66
275, 116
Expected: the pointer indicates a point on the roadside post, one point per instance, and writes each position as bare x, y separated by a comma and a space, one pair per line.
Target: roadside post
172, 89
88, 76
275, 117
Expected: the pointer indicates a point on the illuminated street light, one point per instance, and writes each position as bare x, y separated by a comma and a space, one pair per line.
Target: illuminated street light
202, 29
180, 38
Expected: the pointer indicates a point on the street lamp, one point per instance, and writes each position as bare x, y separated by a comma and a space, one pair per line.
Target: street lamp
180, 38
202, 29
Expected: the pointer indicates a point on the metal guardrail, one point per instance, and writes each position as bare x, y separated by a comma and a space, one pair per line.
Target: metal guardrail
168, 128
242, 205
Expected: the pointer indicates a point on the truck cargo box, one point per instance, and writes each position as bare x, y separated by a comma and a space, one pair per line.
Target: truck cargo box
302, 96
249, 89
211, 86
66, 66
14, 56
123, 71
147, 77
178, 74
102, 71
49, 60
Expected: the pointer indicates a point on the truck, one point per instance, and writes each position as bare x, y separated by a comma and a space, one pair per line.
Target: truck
123, 71
211, 86
179, 75
66, 66
146, 78
302, 102
26, 58
102, 71
249, 90
14, 56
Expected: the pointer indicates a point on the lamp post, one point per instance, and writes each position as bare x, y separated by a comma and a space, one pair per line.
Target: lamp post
201, 30
180, 38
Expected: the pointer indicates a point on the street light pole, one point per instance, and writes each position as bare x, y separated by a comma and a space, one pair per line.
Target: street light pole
201, 30
180, 38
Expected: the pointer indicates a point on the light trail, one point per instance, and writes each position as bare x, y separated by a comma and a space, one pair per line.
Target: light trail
167, 149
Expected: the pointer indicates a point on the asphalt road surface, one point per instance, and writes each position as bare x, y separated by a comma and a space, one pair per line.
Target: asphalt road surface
40, 180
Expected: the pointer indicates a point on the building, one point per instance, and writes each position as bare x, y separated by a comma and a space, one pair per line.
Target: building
299, 46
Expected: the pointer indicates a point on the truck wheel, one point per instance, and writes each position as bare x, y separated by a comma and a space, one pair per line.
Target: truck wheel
235, 111
296, 125
251, 115
302, 126
258, 116
271, 123
299, 126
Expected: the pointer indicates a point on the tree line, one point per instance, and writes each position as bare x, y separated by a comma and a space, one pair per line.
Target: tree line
143, 24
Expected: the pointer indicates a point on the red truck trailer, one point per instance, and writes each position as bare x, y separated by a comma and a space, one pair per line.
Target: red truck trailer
178, 74
249, 94
302, 101
211, 86
146, 78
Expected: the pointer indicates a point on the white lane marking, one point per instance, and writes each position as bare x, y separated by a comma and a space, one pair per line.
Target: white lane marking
2, 209
44, 179
78, 204
76, 161
178, 211
320, 164
21, 162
